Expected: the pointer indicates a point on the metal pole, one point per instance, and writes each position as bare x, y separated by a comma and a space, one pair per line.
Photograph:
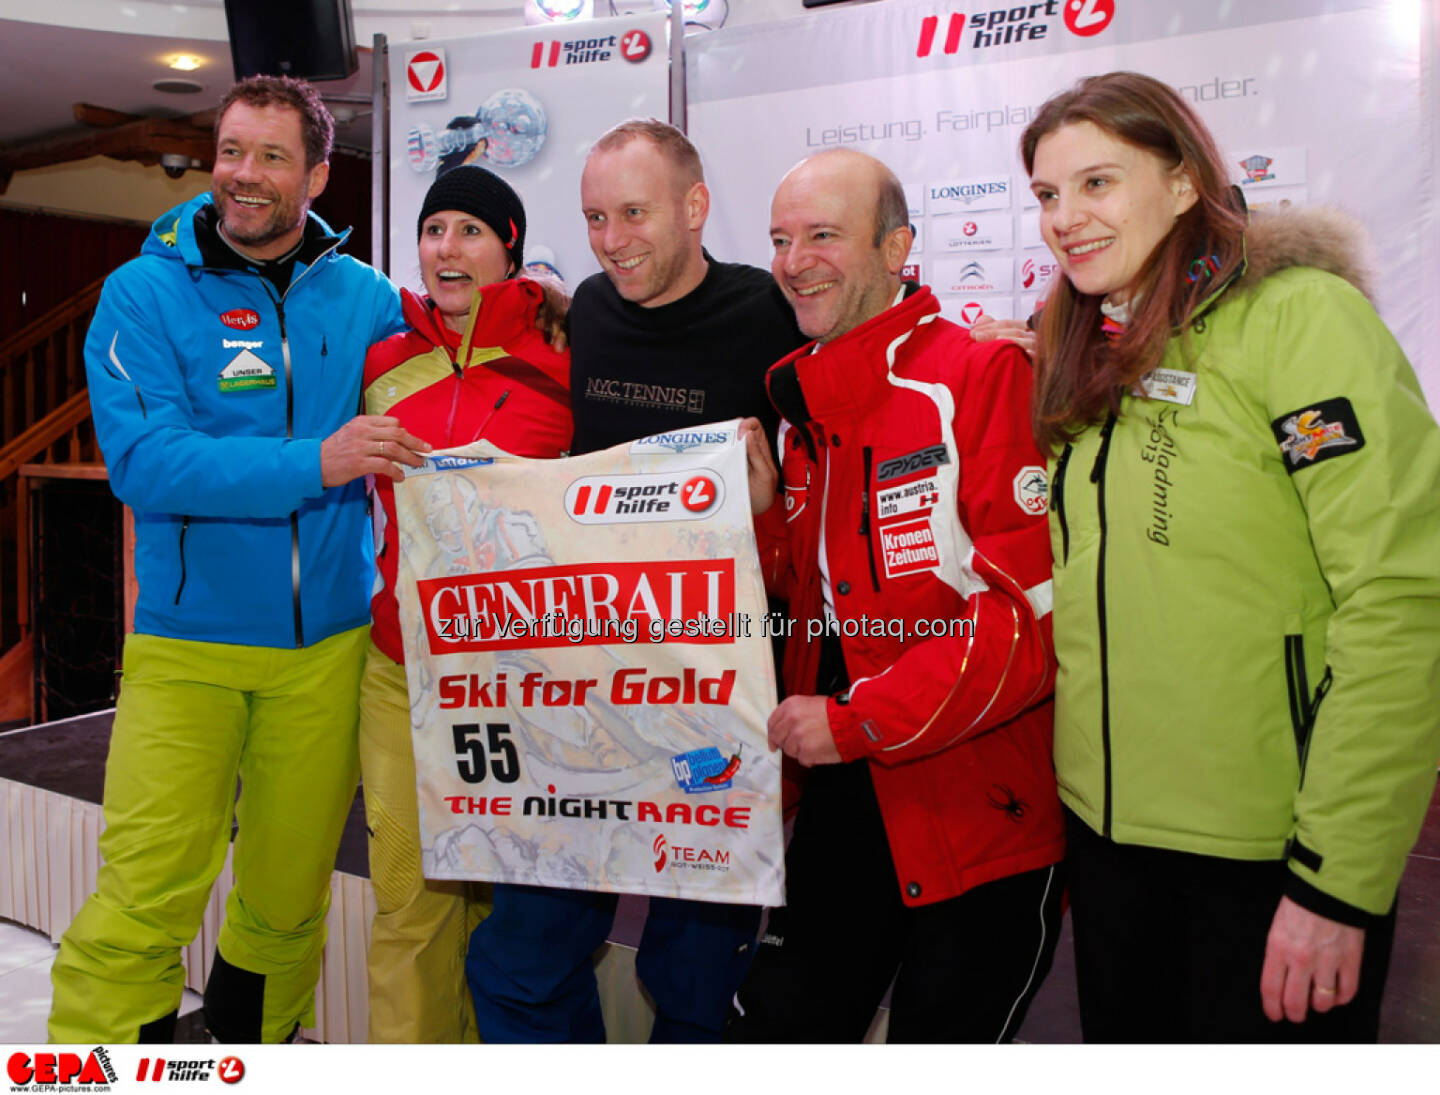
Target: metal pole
380, 157
677, 64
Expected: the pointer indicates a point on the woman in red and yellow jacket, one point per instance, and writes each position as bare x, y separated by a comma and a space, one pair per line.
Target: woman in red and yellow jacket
474, 364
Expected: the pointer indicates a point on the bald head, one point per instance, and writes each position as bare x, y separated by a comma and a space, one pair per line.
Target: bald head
841, 234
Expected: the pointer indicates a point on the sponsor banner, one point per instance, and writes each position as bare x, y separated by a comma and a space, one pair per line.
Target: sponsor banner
941, 92
966, 310
982, 232
918, 245
973, 274
588, 706
968, 195
526, 104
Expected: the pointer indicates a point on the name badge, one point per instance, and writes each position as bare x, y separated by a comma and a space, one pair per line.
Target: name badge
1169, 386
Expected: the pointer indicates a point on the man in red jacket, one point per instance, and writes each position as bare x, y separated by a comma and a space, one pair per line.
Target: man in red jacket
916, 561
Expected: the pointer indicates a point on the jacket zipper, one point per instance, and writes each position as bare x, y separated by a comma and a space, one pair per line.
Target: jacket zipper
493, 412
184, 527
279, 302
289, 433
1057, 502
1097, 476
867, 456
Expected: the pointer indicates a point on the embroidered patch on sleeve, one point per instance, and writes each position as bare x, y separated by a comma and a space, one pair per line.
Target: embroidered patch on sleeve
1032, 490
1318, 432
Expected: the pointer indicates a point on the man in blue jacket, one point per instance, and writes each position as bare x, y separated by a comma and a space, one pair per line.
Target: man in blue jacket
224, 366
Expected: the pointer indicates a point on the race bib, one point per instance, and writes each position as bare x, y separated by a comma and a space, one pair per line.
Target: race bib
588, 679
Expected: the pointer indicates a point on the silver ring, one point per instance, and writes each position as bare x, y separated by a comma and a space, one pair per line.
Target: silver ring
380, 448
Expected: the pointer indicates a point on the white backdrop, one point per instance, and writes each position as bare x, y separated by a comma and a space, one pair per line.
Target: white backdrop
550, 91
1335, 93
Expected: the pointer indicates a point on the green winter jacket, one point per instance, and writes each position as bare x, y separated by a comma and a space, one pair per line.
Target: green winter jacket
1247, 587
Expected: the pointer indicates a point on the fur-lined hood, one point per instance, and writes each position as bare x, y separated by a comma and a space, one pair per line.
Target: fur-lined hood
1318, 236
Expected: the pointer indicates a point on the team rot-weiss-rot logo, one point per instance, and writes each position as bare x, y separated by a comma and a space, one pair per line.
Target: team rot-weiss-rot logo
1015, 24
425, 71
504, 610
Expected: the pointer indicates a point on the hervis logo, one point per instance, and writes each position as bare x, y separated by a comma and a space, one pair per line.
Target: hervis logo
1013, 25
241, 319
650, 496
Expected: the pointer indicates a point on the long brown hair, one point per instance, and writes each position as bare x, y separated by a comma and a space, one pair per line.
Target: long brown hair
1080, 375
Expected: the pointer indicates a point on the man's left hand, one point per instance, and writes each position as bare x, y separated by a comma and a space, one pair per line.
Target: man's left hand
800, 727
1311, 961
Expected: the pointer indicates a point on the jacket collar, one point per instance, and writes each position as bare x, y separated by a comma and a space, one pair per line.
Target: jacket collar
843, 378
502, 316
187, 232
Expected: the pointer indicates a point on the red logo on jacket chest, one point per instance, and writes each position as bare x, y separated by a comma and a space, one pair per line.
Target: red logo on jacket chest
242, 319
908, 547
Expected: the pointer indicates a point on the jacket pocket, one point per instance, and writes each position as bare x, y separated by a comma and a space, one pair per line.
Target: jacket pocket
868, 457
180, 554
1304, 705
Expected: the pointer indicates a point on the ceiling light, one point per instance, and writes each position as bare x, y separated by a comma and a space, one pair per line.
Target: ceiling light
185, 62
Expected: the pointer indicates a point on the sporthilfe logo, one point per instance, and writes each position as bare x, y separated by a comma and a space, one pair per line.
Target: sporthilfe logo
651, 496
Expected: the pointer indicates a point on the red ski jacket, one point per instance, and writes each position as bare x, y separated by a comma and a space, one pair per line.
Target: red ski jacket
911, 443
499, 380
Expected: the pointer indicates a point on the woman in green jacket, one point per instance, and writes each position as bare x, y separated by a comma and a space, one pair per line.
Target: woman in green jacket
1245, 516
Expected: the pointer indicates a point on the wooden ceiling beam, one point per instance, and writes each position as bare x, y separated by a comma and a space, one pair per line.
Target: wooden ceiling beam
143, 140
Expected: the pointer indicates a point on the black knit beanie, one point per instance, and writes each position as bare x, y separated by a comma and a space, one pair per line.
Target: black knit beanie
483, 194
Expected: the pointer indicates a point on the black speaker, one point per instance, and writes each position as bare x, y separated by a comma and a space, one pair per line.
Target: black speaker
311, 39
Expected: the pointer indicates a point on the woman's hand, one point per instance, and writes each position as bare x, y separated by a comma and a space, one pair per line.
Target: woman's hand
988, 328
1311, 961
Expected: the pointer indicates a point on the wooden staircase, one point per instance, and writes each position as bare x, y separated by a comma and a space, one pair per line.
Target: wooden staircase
44, 420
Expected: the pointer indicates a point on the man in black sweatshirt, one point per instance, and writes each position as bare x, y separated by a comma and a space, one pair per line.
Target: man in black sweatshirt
665, 338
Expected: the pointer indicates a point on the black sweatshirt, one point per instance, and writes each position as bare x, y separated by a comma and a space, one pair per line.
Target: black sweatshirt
638, 371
